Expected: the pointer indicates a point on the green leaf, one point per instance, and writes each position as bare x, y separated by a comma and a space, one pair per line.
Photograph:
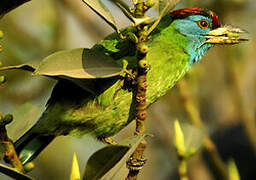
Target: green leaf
79, 63
165, 6
193, 137
98, 7
75, 173
29, 66
89, 69
14, 173
8, 5
106, 162
24, 117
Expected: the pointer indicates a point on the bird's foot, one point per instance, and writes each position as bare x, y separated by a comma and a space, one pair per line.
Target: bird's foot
109, 141
118, 88
136, 164
128, 82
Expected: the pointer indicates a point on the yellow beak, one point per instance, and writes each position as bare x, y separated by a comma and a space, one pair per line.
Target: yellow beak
226, 34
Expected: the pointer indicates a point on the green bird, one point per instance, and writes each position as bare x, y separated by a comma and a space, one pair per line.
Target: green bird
181, 39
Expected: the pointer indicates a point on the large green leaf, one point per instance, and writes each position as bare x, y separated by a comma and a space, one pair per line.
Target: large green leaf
8, 5
14, 173
24, 117
98, 7
105, 163
29, 66
90, 69
79, 63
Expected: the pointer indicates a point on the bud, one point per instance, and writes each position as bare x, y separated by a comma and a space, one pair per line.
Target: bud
233, 171
2, 79
29, 166
8, 118
143, 48
179, 139
143, 64
1, 34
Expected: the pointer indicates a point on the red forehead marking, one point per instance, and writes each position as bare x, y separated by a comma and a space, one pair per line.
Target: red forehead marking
187, 10
212, 15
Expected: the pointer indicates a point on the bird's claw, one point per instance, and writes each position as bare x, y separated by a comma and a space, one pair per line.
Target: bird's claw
136, 164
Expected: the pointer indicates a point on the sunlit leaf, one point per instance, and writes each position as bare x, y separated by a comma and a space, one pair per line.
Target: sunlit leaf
98, 7
100, 167
13, 173
29, 66
165, 6
193, 137
24, 117
75, 173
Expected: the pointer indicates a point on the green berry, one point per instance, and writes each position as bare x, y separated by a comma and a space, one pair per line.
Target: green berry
143, 64
29, 166
143, 48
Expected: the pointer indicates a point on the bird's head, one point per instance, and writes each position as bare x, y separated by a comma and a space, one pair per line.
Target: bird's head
203, 30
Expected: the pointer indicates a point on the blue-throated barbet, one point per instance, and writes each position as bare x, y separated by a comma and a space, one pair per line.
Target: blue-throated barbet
180, 39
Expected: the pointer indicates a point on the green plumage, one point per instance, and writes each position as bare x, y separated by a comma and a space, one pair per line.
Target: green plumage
75, 111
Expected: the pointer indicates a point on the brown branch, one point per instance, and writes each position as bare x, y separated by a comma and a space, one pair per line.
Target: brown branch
137, 160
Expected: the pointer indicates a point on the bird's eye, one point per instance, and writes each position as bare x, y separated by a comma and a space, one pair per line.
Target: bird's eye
203, 24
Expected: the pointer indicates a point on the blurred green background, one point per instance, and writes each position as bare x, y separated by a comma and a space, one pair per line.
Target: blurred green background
222, 86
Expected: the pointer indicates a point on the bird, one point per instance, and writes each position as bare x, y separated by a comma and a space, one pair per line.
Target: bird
180, 40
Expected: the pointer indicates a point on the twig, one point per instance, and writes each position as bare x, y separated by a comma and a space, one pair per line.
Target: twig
10, 153
182, 169
196, 120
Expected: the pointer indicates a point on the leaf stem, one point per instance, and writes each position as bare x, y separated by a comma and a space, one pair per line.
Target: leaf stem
10, 152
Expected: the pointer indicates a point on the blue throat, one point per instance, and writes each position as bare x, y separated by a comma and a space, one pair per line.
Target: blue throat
196, 49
